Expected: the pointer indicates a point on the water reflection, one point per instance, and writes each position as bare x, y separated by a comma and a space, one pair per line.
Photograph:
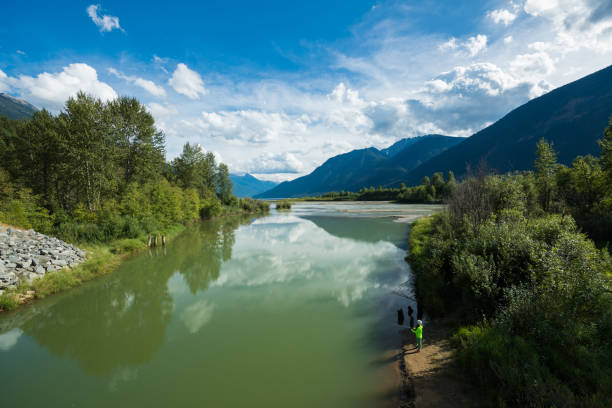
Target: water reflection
121, 319
293, 250
363, 229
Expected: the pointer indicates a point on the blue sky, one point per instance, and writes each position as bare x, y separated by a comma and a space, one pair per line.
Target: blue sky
276, 87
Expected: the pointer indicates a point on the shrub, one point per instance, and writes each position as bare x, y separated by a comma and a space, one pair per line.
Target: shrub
283, 205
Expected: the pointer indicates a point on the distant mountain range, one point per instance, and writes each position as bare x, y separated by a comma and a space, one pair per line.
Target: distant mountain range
14, 108
572, 117
248, 186
365, 167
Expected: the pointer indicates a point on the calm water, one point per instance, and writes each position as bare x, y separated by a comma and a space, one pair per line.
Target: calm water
289, 310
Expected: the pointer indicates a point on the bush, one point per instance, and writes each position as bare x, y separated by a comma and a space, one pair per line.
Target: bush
283, 205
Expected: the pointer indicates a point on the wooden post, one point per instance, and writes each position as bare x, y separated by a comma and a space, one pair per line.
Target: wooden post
163, 240
149, 242
155, 242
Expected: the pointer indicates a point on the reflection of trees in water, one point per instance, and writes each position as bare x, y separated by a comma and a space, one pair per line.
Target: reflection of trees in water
121, 319
211, 245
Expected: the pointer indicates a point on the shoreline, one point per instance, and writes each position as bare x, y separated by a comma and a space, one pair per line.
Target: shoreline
101, 260
429, 379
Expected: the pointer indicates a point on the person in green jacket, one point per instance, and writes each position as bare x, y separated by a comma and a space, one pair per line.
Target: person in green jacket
418, 332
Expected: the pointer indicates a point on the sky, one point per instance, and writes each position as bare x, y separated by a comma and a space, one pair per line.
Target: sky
274, 88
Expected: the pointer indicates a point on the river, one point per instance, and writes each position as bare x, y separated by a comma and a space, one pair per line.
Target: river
293, 309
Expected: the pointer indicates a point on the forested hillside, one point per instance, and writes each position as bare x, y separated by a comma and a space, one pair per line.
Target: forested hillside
365, 168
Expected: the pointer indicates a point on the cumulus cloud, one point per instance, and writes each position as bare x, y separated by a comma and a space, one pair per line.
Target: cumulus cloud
105, 22
252, 126
187, 82
533, 65
472, 46
466, 98
503, 16
149, 86
576, 24
270, 163
53, 89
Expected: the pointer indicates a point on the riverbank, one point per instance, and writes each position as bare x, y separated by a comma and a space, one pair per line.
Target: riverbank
101, 260
430, 377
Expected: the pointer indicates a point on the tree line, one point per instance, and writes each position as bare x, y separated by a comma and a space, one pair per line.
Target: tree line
430, 191
512, 258
97, 171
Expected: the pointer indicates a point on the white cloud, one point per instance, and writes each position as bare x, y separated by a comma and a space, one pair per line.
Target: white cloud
503, 16
105, 22
187, 82
4, 86
575, 24
533, 65
251, 126
476, 44
270, 163
161, 111
149, 86
53, 89
472, 46
20, 52
465, 99
508, 39
539, 7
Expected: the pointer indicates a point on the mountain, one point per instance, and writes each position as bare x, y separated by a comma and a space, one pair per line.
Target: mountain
14, 108
364, 167
248, 186
572, 117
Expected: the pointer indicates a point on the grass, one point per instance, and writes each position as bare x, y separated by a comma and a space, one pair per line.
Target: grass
101, 260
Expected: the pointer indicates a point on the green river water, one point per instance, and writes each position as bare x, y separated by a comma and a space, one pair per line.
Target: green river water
294, 309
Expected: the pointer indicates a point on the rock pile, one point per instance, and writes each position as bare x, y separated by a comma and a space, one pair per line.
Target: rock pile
27, 255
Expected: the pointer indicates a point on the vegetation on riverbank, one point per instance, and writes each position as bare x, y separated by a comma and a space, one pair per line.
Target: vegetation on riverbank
95, 176
283, 205
430, 191
512, 258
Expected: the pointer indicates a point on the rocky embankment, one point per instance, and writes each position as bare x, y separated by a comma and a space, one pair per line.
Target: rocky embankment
27, 255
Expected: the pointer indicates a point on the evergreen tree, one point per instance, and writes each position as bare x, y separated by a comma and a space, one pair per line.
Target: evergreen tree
546, 166
225, 187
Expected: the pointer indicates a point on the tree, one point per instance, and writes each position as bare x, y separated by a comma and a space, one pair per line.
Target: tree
88, 166
451, 184
139, 145
225, 187
546, 166
606, 152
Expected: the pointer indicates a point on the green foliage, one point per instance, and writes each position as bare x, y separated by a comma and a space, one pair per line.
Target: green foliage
283, 205
538, 287
508, 256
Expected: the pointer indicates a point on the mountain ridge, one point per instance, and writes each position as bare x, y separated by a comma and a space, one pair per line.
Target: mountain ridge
248, 185
15, 108
361, 168
572, 117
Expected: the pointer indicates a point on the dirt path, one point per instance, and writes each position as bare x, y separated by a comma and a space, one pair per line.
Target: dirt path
434, 380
